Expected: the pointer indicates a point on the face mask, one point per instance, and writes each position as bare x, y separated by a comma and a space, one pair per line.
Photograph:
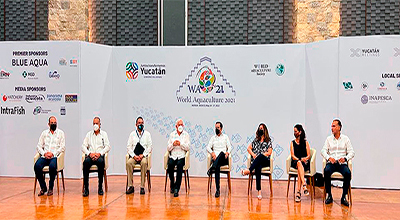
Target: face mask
260, 132
296, 135
180, 128
140, 127
53, 127
96, 127
217, 131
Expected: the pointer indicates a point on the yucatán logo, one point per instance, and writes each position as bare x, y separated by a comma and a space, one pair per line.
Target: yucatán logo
364, 52
35, 98
39, 110
348, 86
147, 70
29, 75
132, 70
4, 74
206, 86
71, 98
54, 75
16, 110
11, 98
280, 69
54, 97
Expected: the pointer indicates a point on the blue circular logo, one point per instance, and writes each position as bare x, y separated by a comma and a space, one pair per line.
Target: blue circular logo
398, 86
364, 99
280, 69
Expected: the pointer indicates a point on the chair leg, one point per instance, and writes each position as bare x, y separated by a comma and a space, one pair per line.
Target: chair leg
58, 185
294, 186
184, 173
288, 185
309, 178
313, 183
34, 189
166, 178
248, 185
350, 196
62, 178
148, 180
251, 182
187, 172
270, 183
324, 196
105, 180
229, 181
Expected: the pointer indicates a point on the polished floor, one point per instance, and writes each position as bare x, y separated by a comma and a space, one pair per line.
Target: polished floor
17, 201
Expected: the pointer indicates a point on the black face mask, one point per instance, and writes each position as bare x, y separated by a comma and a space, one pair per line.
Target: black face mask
217, 131
53, 127
260, 132
140, 127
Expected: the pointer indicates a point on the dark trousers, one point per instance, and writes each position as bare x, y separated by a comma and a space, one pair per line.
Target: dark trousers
216, 165
87, 163
341, 168
42, 162
179, 163
257, 165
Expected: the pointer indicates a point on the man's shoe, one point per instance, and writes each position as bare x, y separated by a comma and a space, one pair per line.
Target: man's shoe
176, 193
172, 191
42, 192
344, 201
100, 191
142, 191
217, 193
130, 190
329, 200
50, 192
85, 193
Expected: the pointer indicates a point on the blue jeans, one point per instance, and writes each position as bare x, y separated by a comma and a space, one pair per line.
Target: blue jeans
42, 162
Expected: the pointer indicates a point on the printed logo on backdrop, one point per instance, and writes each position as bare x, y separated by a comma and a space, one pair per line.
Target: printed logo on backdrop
11, 98
23, 62
396, 52
54, 75
16, 110
348, 86
35, 98
71, 98
39, 110
398, 86
206, 86
390, 75
4, 74
147, 70
62, 62
280, 69
364, 86
260, 69
73, 62
30, 88
376, 99
54, 97
29, 75
63, 110
382, 86
364, 52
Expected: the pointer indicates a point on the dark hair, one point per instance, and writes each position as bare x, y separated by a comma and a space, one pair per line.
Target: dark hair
140, 117
339, 123
97, 118
220, 124
266, 133
299, 127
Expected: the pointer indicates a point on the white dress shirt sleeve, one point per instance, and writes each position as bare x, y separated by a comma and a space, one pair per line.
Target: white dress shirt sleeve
61, 144
349, 149
209, 146
106, 144
185, 142
171, 140
149, 145
325, 150
41, 143
130, 145
85, 145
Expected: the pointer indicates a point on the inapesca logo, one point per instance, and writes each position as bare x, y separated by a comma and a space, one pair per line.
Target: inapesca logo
62, 62
16, 110
35, 98
4, 74
364, 52
39, 110
54, 75
29, 75
382, 86
54, 97
280, 69
376, 99
132, 70
71, 98
11, 98
206, 86
348, 86
364, 99
260, 69
364, 86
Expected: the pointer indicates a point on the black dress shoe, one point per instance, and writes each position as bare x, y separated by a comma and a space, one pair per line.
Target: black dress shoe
329, 200
344, 201
217, 193
172, 191
130, 190
42, 192
142, 191
100, 191
50, 192
176, 193
85, 193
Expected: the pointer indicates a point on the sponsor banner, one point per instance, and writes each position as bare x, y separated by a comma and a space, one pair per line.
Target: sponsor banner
35, 98
54, 75
11, 97
146, 70
30, 88
39, 110
4, 74
71, 98
16, 110
54, 97
29, 75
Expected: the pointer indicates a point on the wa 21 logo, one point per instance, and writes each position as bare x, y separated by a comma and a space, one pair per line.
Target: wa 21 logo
206, 86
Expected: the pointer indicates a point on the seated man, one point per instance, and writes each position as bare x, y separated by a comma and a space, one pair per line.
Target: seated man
337, 151
178, 144
51, 144
139, 147
94, 146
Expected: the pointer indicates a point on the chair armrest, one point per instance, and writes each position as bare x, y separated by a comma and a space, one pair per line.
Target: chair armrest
83, 157
36, 157
126, 158
149, 161
60, 161
187, 161
208, 161
105, 161
248, 161
288, 163
230, 162
313, 168
271, 162
166, 156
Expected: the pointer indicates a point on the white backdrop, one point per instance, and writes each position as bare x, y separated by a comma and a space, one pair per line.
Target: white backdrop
280, 85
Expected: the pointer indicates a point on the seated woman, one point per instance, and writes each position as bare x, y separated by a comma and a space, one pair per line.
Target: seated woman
300, 153
260, 150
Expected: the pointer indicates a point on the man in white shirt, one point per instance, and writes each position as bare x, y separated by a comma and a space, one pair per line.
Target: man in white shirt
337, 151
51, 144
139, 147
219, 147
95, 146
178, 145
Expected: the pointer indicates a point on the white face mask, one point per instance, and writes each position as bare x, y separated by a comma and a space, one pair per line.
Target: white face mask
96, 127
180, 128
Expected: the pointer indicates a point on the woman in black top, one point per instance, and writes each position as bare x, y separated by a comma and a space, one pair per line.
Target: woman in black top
260, 150
300, 153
